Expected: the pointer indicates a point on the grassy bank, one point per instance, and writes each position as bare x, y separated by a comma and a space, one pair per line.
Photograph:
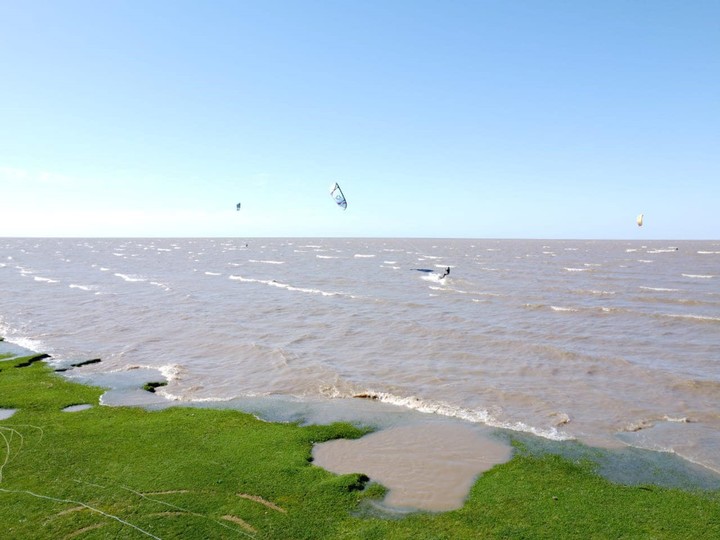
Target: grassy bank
188, 473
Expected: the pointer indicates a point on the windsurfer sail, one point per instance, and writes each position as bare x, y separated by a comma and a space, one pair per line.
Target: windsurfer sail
639, 220
337, 194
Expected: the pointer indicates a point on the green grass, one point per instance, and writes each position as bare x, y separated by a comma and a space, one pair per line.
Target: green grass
124, 472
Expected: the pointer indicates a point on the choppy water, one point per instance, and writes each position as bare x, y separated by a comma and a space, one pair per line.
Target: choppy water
608, 342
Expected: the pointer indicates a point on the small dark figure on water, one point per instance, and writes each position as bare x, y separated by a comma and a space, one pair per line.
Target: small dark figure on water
447, 272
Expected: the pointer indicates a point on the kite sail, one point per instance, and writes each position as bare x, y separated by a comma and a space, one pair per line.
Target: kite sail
238, 206
640, 220
337, 194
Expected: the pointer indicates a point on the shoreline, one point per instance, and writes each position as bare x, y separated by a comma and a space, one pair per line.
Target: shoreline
136, 388
178, 436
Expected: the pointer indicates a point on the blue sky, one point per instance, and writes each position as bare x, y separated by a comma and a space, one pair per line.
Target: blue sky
480, 119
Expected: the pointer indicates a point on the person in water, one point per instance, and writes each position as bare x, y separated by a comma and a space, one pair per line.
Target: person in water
447, 272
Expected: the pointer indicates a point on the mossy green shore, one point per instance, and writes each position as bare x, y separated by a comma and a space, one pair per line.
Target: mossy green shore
126, 472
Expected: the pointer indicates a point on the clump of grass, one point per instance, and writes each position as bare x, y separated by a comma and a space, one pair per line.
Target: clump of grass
127, 472
151, 386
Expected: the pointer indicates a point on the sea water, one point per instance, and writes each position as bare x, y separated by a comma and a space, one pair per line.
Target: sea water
611, 343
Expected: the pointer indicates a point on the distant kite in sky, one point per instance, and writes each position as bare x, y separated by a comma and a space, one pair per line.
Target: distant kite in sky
337, 194
640, 220
238, 206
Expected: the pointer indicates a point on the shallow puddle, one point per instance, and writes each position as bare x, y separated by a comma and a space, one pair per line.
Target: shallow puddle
429, 466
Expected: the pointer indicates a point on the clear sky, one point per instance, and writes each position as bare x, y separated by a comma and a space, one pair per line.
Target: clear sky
480, 119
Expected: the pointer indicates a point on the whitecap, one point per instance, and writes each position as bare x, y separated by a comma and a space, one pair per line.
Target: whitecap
45, 280
681, 420
659, 289
694, 317
362, 256
81, 287
171, 372
698, 276
477, 416
130, 278
560, 308
266, 262
273, 283
163, 286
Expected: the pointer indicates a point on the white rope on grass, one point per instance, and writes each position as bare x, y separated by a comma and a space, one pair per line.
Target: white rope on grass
190, 511
9, 441
7, 454
176, 507
91, 508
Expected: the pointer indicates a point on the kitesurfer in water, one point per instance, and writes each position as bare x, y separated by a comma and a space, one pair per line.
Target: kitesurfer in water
447, 272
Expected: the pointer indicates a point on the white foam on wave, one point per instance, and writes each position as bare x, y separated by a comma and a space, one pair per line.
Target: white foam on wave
363, 256
693, 317
477, 416
171, 372
327, 256
681, 420
576, 269
659, 289
82, 287
599, 292
163, 286
213, 274
709, 252
273, 283
560, 308
265, 262
34, 345
646, 261
45, 280
698, 276
130, 278
162, 391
